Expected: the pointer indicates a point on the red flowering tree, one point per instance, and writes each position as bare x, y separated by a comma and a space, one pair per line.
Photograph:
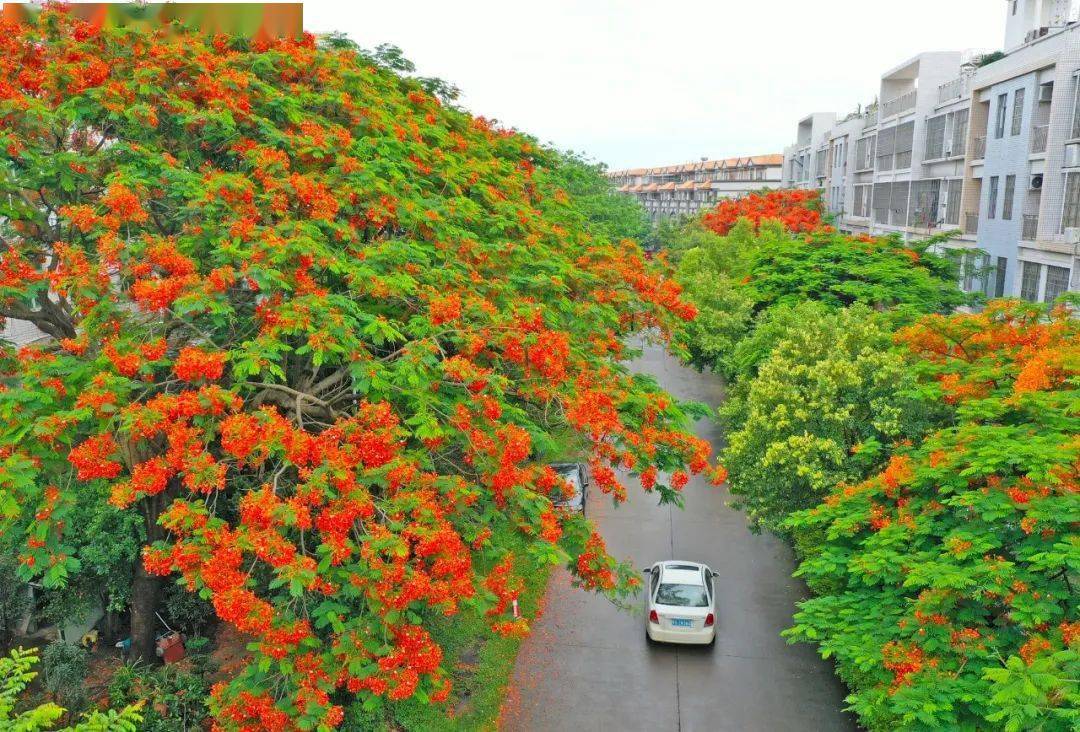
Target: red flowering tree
798, 210
317, 330
947, 583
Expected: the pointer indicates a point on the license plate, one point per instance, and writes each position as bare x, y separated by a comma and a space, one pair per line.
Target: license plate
681, 622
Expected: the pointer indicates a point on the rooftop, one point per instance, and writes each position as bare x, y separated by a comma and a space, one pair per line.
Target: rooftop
749, 161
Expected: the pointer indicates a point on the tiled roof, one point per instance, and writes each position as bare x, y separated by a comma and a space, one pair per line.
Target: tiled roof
737, 162
667, 187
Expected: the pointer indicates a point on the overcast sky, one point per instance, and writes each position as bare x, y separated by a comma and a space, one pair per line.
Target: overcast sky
651, 82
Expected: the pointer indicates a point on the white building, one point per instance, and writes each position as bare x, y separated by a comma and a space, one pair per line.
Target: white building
683, 190
989, 147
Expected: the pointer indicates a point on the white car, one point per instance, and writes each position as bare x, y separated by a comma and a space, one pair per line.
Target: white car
680, 603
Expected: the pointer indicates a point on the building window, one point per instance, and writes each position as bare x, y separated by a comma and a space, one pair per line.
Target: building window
1070, 215
1002, 267
959, 132
886, 145
1014, 7
991, 209
1057, 282
925, 199
905, 142
952, 202
882, 195
1076, 109
999, 125
1010, 193
1018, 111
935, 137
1030, 272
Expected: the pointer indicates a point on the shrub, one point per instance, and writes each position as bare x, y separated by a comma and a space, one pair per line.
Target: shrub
65, 666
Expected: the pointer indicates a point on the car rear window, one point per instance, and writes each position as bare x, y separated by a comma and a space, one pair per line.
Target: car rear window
682, 595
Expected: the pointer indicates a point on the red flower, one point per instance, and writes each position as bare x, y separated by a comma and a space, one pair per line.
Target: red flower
194, 363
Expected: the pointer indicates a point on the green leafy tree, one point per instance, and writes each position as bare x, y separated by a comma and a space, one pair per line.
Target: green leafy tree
710, 269
947, 582
609, 215
16, 674
820, 408
841, 270
315, 334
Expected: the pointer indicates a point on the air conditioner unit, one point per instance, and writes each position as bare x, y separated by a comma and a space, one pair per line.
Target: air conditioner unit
1072, 235
1036, 182
1072, 155
1046, 92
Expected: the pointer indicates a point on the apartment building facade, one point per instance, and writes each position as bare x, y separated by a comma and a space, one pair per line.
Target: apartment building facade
991, 149
684, 190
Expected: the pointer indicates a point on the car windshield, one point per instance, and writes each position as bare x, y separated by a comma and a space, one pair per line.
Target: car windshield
573, 477
682, 595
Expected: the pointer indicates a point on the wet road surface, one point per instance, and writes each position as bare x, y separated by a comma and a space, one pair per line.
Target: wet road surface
587, 666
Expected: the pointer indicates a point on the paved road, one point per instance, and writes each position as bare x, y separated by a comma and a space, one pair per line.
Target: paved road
587, 666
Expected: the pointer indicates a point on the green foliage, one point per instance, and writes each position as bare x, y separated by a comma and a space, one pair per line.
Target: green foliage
822, 404
16, 675
65, 665
609, 215
841, 270
187, 611
709, 269
14, 599
481, 664
947, 582
174, 697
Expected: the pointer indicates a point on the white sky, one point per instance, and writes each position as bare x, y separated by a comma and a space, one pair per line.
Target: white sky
651, 82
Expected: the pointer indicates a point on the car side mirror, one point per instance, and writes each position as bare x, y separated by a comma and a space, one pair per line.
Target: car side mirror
647, 570
715, 573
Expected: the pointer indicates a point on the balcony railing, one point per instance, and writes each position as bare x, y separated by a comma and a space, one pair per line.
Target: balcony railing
979, 151
971, 223
1038, 138
953, 89
1030, 227
899, 104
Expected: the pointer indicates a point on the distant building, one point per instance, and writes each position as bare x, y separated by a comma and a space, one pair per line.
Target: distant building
959, 142
683, 190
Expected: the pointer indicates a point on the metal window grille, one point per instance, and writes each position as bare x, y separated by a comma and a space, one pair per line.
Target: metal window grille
925, 197
905, 142
959, 132
935, 137
886, 146
1029, 280
898, 203
1070, 215
1010, 194
952, 202
882, 195
1076, 109
1057, 282
999, 272
999, 125
1018, 111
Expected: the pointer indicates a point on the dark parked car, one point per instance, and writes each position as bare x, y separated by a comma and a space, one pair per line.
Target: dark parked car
577, 475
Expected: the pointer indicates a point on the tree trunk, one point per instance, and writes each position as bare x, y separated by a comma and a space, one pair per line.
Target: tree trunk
145, 593
146, 589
